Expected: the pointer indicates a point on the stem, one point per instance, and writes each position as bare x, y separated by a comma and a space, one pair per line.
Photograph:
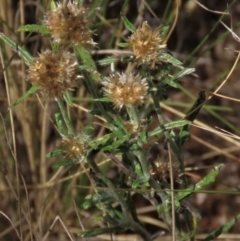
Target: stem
132, 112
128, 221
65, 117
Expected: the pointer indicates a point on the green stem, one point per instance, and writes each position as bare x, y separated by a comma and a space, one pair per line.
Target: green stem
65, 116
133, 115
128, 221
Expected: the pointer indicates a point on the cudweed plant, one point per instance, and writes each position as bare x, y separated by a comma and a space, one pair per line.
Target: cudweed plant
121, 103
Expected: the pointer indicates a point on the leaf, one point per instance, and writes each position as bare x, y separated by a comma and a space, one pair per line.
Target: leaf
86, 57
67, 98
30, 92
107, 61
34, 28
128, 24
53, 5
184, 72
172, 81
59, 122
123, 45
115, 144
168, 126
104, 99
211, 177
213, 235
168, 58
54, 153
98, 231
142, 181
27, 58
64, 163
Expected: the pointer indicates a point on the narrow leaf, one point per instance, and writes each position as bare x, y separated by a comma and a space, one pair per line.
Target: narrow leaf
123, 45
168, 126
86, 57
27, 58
128, 24
168, 58
211, 177
34, 28
213, 235
30, 92
67, 98
63, 163
59, 122
54, 153
107, 61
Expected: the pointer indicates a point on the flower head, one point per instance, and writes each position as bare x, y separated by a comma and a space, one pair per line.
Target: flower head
146, 45
126, 89
54, 72
73, 148
69, 24
160, 170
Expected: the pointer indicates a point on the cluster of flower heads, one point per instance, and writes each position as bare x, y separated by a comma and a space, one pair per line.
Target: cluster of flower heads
146, 45
126, 89
56, 72
69, 24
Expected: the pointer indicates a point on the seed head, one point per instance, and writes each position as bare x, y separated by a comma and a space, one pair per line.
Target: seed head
146, 45
73, 148
126, 89
69, 24
54, 72
160, 170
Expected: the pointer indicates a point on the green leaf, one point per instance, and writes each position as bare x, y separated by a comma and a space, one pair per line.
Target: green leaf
142, 181
107, 61
30, 92
213, 235
211, 177
184, 72
115, 144
64, 163
53, 5
54, 153
123, 45
87, 204
59, 122
88, 131
86, 57
67, 98
143, 136
168, 58
101, 141
104, 99
128, 24
171, 82
98, 231
34, 28
168, 126
27, 58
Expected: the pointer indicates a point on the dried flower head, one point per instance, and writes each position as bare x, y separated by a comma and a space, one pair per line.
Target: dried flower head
54, 72
146, 45
74, 148
69, 24
160, 170
126, 89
